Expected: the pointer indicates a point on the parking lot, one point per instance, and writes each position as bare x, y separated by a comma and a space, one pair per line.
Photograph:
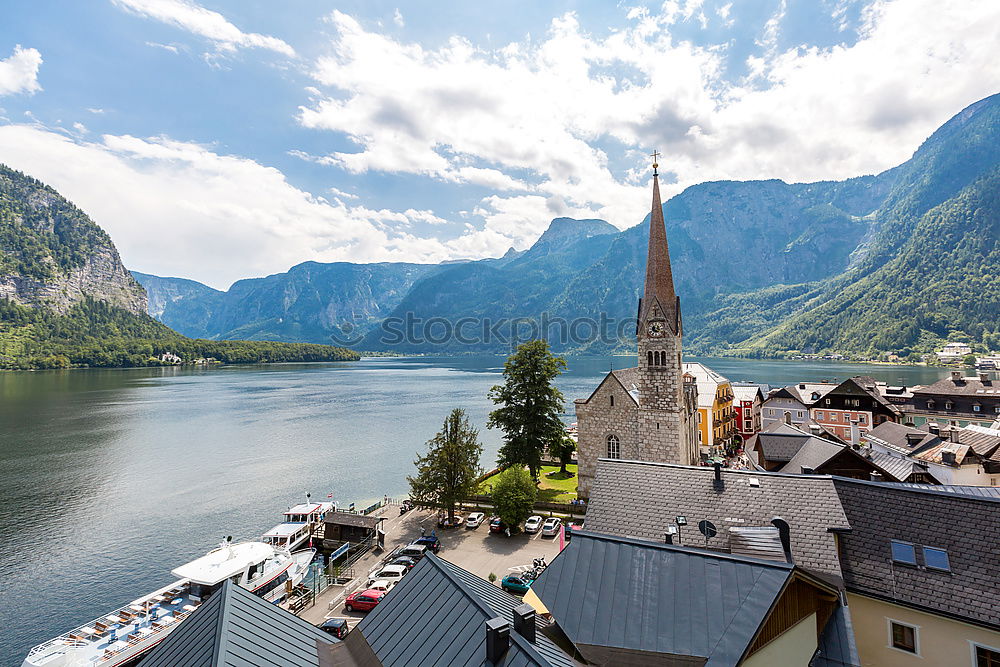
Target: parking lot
475, 550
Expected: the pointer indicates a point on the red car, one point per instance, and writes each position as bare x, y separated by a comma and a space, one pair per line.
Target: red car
363, 600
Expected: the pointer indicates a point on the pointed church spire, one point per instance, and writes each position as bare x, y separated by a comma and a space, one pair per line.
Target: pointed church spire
659, 278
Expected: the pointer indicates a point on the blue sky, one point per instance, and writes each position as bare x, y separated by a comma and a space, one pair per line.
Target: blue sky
223, 139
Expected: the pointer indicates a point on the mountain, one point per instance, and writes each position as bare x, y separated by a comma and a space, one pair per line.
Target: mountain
67, 300
869, 265
53, 255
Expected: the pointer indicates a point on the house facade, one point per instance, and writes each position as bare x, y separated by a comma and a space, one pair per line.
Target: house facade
853, 408
716, 416
747, 404
956, 401
648, 412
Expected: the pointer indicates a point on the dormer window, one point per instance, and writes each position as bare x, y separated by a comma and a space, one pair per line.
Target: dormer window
903, 552
976, 407
936, 559
949, 405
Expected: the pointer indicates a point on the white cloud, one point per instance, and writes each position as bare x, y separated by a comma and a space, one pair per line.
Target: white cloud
19, 72
96, 111
204, 23
535, 120
397, 18
165, 47
176, 208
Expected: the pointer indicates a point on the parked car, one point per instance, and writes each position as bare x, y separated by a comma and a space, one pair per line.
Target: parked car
336, 627
363, 600
551, 527
474, 520
455, 522
414, 551
533, 524
390, 572
429, 541
405, 561
515, 583
498, 526
382, 585
405, 506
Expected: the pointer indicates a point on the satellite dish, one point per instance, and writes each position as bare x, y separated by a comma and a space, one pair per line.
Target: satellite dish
707, 528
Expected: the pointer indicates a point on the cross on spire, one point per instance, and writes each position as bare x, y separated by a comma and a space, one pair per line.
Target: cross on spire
655, 155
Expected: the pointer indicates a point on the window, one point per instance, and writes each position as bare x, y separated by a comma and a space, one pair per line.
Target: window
903, 637
976, 407
930, 405
903, 552
800, 414
614, 447
827, 401
936, 559
612, 400
861, 419
949, 405
819, 414
987, 657
833, 417
649, 358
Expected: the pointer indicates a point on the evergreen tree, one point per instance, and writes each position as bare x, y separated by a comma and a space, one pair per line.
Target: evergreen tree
563, 450
531, 405
449, 471
513, 495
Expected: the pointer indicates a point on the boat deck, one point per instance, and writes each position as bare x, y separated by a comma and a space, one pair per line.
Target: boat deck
121, 635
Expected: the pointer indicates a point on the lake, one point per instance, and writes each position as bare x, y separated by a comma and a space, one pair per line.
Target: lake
111, 478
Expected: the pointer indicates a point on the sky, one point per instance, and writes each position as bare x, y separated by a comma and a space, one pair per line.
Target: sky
225, 139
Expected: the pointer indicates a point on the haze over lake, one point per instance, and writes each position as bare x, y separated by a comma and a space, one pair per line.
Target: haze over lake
111, 478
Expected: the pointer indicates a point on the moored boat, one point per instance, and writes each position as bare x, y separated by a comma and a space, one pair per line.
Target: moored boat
127, 633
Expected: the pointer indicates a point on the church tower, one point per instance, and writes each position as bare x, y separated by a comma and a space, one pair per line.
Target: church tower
649, 412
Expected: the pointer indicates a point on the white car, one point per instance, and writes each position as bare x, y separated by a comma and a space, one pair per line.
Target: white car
533, 524
390, 572
474, 519
551, 527
382, 585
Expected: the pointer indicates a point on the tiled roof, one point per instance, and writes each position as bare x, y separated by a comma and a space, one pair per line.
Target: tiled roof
640, 499
351, 519
965, 525
804, 391
899, 468
935, 453
983, 441
780, 447
813, 453
235, 627
744, 393
895, 435
967, 386
436, 615
650, 598
629, 377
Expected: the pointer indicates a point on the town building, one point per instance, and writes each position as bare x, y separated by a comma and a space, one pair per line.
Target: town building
954, 351
748, 400
853, 408
956, 401
790, 405
964, 456
922, 573
716, 417
648, 412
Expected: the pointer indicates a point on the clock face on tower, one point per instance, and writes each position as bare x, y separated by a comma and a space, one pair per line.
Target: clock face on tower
655, 329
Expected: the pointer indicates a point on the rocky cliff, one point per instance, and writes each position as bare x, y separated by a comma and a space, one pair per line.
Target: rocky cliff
53, 256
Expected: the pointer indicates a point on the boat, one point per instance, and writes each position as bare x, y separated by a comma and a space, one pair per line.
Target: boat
127, 633
309, 512
288, 535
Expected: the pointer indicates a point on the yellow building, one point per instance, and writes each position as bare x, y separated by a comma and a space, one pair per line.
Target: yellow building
716, 416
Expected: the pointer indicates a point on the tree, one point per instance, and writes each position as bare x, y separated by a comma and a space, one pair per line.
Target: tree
529, 416
969, 360
563, 450
449, 471
513, 496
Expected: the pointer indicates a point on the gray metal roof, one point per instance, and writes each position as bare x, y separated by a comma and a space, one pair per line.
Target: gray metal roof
235, 627
641, 596
640, 499
436, 615
836, 644
974, 491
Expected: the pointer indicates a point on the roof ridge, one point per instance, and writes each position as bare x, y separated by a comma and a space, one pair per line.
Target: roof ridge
731, 471
679, 548
911, 486
443, 566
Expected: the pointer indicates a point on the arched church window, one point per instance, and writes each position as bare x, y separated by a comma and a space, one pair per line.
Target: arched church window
614, 447
649, 358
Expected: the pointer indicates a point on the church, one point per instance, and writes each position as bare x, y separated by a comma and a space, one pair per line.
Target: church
649, 412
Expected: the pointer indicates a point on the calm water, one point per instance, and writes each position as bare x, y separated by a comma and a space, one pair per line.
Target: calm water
109, 479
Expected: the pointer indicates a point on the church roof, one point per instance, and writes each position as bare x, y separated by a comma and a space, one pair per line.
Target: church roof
659, 286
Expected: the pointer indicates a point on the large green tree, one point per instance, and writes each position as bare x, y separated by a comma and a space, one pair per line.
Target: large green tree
513, 495
449, 471
563, 451
530, 406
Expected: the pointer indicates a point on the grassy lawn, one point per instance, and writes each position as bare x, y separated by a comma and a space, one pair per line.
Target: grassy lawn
553, 487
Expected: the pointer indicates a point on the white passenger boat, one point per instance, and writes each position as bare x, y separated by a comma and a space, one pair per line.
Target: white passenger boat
308, 512
121, 637
289, 536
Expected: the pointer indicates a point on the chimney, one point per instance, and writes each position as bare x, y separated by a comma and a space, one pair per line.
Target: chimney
855, 434
934, 428
953, 435
802, 386
984, 378
497, 640
718, 484
875, 476
784, 533
524, 621
913, 439
956, 376
948, 458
